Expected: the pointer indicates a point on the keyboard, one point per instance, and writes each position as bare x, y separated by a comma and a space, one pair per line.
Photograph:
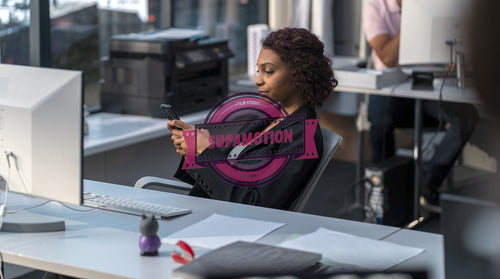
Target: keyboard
132, 206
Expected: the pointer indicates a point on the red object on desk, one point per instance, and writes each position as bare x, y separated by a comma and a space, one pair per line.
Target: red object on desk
186, 256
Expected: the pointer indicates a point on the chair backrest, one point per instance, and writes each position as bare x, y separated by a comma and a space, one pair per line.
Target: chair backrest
331, 142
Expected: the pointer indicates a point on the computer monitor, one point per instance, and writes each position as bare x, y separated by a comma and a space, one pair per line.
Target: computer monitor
41, 116
426, 26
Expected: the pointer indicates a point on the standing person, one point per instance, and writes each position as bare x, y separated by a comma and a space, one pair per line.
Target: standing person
381, 24
293, 70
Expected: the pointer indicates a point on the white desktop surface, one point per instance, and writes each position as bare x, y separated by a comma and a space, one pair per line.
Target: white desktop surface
110, 131
432, 259
450, 92
104, 244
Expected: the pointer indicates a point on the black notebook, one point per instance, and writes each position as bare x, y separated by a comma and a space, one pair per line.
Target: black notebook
240, 259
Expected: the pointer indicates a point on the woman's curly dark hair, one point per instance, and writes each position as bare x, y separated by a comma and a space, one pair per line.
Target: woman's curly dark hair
310, 69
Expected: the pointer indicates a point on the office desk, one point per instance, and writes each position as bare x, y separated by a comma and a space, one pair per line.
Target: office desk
109, 131
450, 93
104, 244
123, 148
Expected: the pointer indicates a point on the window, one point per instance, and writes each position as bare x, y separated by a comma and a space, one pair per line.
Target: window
80, 29
14, 32
223, 19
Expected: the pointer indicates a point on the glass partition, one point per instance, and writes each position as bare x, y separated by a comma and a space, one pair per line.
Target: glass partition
80, 29
14, 32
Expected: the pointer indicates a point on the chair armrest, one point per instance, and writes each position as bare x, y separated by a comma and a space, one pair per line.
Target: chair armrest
163, 184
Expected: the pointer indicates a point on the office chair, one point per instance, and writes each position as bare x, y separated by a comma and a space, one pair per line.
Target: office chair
331, 142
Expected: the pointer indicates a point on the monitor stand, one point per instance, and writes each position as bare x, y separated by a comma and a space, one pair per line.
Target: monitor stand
31, 223
27, 222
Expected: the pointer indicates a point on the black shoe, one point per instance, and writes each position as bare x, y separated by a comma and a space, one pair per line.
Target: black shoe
429, 199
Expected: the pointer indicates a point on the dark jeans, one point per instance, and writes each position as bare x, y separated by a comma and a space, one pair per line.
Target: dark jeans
388, 113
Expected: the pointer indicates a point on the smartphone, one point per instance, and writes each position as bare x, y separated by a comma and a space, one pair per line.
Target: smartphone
170, 112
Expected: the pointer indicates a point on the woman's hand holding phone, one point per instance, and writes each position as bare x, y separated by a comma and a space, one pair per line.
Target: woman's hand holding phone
202, 137
176, 126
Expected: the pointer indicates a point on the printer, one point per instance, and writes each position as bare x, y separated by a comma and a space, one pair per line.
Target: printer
181, 67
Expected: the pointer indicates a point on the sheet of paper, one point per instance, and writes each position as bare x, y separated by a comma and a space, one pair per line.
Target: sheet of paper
219, 230
351, 251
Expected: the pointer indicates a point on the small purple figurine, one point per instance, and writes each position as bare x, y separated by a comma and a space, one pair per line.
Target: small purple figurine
149, 242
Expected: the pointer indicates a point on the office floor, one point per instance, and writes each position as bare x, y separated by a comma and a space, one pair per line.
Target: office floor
334, 194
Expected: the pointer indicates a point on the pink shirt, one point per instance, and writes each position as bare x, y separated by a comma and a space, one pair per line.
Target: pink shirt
381, 17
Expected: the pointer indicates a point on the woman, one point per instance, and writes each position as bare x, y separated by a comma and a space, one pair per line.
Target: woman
293, 70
